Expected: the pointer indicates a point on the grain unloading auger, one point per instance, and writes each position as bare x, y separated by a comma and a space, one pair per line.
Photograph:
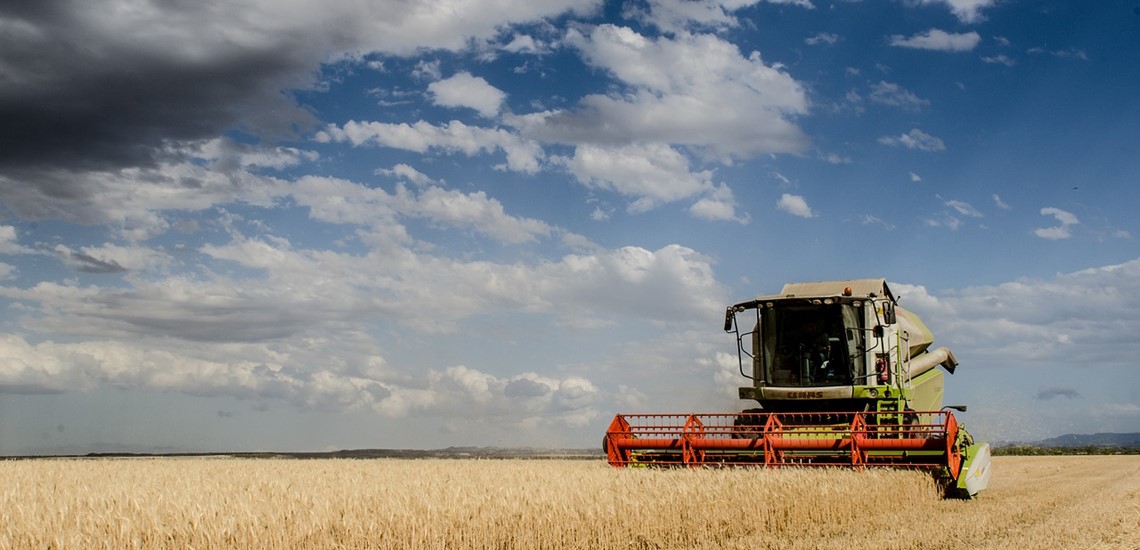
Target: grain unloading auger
844, 378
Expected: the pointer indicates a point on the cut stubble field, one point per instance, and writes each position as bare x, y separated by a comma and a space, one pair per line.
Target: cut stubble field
1033, 502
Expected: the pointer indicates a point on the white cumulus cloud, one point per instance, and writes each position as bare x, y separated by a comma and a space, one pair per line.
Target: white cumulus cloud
825, 38
681, 15
652, 174
795, 205
465, 90
1064, 227
1088, 318
685, 90
890, 93
719, 204
915, 139
936, 39
9, 241
967, 11
523, 155
964, 208
1000, 59
341, 201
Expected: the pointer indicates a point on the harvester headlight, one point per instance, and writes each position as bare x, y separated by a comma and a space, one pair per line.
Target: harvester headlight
827, 301
873, 393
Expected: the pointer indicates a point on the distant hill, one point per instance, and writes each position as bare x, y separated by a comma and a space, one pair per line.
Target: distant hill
1128, 440
1074, 444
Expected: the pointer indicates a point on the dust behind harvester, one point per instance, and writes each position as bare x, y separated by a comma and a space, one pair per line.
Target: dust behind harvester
843, 376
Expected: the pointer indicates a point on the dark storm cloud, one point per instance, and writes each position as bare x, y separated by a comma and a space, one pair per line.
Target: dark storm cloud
101, 96
1050, 393
77, 95
30, 389
526, 388
128, 115
201, 316
90, 264
251, 323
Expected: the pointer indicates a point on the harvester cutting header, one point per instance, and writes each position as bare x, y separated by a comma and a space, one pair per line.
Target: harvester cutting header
843, 377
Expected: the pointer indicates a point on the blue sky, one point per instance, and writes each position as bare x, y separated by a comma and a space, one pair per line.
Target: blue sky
276, 225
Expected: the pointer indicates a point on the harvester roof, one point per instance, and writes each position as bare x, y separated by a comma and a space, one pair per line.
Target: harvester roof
859, 287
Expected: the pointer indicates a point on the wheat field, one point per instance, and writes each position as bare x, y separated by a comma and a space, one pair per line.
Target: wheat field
1033, 502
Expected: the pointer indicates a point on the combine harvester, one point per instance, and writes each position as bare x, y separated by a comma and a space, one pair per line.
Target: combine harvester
844, 378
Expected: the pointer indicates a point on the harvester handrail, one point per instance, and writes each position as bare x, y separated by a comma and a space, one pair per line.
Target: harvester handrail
904, 372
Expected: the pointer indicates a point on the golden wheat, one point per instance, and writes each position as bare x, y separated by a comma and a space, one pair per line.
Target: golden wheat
1070, 502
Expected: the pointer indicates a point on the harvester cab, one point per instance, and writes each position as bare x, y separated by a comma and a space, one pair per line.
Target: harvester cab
843, 377
820, 346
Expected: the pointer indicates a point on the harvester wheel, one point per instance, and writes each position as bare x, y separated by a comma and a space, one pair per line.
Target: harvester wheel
910, 425
952, 490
